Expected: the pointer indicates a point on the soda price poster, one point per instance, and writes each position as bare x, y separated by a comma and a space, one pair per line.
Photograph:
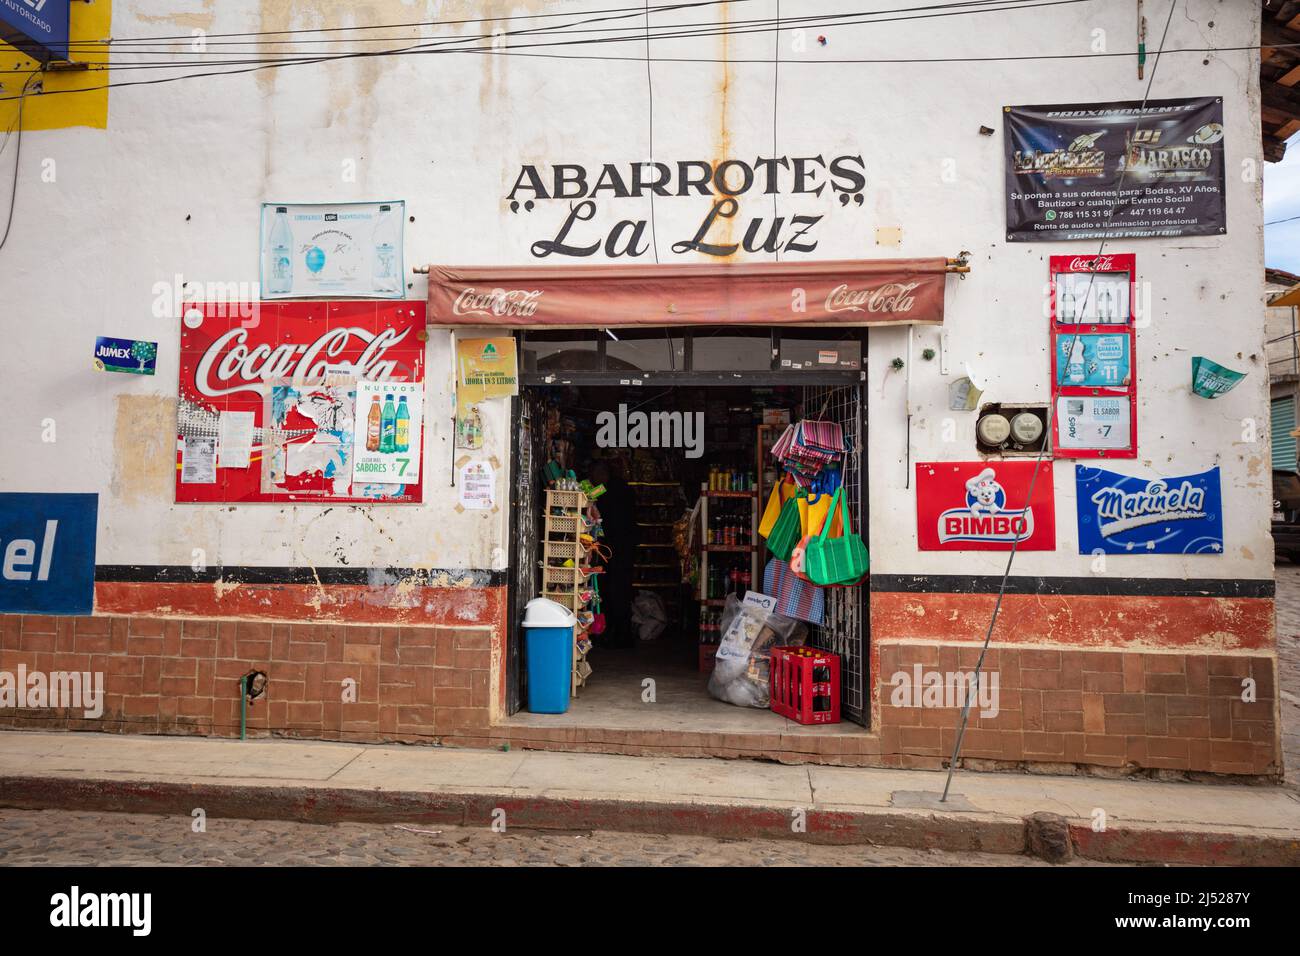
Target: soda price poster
1092, 361
388, 430
1064, 164
347, 249
985, 506
1122, 514
296, 368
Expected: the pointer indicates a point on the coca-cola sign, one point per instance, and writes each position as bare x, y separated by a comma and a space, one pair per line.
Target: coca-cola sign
498, 302
231, 359
299, 351
890, 297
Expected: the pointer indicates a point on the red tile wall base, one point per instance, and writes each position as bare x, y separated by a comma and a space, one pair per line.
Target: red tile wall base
181, 676
1216, 713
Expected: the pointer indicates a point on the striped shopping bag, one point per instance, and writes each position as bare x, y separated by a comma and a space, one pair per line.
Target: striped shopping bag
795, 597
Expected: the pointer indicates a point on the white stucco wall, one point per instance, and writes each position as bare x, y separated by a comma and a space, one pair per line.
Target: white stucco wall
174, 186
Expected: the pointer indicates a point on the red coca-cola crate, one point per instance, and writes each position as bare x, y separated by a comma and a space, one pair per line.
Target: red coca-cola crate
806, 685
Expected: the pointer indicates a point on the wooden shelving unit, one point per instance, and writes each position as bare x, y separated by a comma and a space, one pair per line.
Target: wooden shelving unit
564, 525
657, 502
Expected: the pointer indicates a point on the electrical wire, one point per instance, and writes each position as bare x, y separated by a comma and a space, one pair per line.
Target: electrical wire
650, 96
1050, 428
776, 89
442, 47
18, 156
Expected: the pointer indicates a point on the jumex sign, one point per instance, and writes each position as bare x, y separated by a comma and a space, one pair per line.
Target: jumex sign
37, 27
47, 553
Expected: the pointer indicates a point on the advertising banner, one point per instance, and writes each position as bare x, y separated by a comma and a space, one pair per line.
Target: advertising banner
37, 27
1065, 163
1119, 514
348, 249
1100, 361
485, 368
1210, 379
48, 546
1084, 423
387, 436
984, 506
125, 355
268, 408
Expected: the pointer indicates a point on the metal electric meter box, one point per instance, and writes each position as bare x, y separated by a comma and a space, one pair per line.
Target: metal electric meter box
37, 27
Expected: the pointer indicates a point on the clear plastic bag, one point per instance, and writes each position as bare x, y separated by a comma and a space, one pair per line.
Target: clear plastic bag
750, 629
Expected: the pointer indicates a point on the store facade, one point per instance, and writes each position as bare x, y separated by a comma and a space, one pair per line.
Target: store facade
584, 219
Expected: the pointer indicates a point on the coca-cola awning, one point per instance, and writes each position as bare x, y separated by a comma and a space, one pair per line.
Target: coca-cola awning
837, 292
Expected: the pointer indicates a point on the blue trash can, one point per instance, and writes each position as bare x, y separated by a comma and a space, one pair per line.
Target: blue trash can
548, 653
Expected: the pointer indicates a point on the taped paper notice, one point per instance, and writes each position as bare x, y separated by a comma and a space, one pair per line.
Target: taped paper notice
477, 486
199, 461
235, 441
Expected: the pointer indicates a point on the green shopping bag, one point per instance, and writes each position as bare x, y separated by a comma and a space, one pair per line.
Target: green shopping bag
836, 561
788, 529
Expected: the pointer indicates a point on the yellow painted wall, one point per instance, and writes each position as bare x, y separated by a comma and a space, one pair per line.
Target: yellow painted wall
88, 22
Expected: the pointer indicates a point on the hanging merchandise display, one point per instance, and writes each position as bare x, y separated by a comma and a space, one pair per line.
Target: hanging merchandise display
788, 528
1094, 380
795, 596
836, 561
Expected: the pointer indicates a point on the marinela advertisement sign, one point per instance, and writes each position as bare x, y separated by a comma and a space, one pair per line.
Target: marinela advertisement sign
1124, 514
1064, 165
985, 506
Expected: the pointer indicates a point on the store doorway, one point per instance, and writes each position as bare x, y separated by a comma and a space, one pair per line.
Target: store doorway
680, 445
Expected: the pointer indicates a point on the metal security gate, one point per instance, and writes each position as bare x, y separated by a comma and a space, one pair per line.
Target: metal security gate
845, 629
1281, 426
525, 508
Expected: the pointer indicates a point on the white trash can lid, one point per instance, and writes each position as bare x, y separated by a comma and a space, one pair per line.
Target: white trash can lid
543, 612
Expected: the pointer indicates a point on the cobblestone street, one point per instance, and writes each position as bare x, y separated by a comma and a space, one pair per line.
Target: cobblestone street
51, 837
1288, 652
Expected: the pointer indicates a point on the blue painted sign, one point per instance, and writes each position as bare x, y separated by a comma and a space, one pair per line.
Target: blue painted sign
1119, 514
37, 27
47, 553
125, 355
1092, 361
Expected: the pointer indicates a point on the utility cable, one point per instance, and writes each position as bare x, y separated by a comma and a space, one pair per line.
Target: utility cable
1051, 424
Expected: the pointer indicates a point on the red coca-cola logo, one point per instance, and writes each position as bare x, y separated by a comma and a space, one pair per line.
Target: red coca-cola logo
501, 302
890, 297
230, 359
1096, 264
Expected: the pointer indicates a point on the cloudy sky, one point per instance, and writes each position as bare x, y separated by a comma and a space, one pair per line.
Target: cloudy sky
1282, 201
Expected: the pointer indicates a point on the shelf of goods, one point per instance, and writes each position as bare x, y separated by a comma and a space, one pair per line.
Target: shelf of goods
657, 566
565, 523
736, 535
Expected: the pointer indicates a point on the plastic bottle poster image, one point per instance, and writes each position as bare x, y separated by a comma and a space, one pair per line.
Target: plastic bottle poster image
1092, 361
387, 437
350, 249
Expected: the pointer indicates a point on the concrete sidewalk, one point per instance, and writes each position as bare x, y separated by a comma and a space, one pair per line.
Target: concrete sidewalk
326, 782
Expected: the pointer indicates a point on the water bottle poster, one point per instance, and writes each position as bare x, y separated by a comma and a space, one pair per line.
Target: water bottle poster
345, 249
1120, 514
387, 434
296, 368
1092, 361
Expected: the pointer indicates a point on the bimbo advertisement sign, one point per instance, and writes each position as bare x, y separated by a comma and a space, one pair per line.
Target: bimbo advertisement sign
985, 506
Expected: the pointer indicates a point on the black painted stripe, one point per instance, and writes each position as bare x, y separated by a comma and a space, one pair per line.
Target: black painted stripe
1099, 585
244, 574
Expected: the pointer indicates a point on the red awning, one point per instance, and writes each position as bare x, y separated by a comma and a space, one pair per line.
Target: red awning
841, 292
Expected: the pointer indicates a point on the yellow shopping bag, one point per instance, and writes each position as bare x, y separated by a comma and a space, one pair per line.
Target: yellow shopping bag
782, 492
813, 512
